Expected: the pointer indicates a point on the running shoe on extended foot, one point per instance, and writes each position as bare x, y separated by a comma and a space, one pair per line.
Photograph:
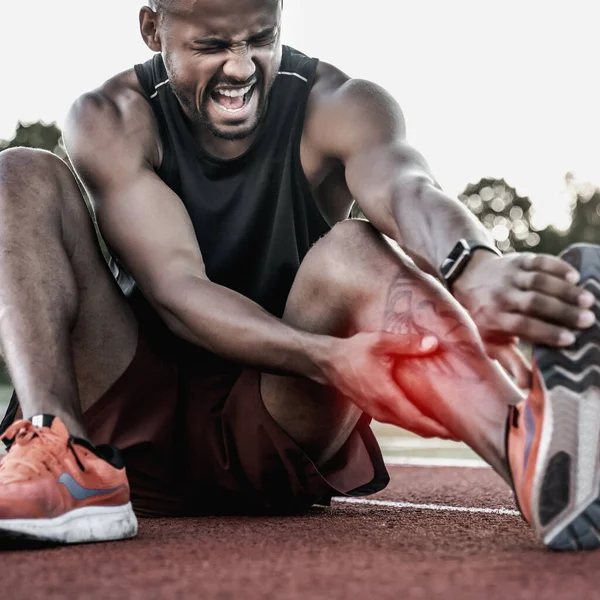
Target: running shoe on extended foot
54, 488
553, 437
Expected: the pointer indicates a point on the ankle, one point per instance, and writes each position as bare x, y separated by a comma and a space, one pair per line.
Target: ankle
493, 449
71, 422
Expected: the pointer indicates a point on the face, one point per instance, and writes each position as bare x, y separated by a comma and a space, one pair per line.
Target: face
221, 57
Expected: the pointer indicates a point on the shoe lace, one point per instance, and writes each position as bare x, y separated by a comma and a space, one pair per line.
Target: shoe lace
32, 450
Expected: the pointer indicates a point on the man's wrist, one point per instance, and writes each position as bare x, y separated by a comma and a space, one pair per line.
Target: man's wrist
479, 256
316, 352
460, 256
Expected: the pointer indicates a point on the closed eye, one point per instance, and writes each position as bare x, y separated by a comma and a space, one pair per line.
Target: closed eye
264, 40
214, 49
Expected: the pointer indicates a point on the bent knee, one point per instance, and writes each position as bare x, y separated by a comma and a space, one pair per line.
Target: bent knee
354, 249
31, 167
34, 180
350, 232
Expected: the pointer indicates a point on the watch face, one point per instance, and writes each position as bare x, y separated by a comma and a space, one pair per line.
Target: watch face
460, 256
449, 266
458, 250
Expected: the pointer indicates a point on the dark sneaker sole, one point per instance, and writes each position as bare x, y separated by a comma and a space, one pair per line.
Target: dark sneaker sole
566, 488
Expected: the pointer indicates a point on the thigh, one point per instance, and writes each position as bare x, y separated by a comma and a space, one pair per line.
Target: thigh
238, 458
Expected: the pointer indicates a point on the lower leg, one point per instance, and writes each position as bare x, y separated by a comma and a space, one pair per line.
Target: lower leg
47, 262
352, 281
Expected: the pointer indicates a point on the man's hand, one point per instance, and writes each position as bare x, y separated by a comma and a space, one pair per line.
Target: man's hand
360, 368
528, 296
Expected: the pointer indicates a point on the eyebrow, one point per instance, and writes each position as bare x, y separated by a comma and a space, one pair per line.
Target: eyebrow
220, 41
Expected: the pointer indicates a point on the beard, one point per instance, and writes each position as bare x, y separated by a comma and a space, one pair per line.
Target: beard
199, 114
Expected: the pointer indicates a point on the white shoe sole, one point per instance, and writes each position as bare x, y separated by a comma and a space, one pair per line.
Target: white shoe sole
87, 524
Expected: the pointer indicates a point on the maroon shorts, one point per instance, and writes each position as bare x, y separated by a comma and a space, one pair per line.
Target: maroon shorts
197, 439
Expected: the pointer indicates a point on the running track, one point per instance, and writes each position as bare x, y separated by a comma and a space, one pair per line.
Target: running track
408, 545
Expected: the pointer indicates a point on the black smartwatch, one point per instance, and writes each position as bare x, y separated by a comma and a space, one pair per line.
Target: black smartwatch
459, 258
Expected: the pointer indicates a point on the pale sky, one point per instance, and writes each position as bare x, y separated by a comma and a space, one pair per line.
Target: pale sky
488, 89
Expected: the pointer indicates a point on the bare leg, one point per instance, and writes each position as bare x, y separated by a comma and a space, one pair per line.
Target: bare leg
66, 332
353, 280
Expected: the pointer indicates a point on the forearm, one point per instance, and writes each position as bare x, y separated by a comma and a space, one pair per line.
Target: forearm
234, 327
430, 222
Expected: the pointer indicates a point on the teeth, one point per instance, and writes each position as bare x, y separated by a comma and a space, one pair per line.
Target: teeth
229, 110
234, 93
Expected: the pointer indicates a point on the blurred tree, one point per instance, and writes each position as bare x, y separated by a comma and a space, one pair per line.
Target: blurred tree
37, 135
508, 217
505, 213
585, 211
356, 213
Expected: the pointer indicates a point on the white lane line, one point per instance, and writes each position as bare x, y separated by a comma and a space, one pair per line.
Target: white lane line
436, 507
420, 461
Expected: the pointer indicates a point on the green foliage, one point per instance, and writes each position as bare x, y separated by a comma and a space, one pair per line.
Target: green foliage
508, 216
505, 213
37, 135
585, 211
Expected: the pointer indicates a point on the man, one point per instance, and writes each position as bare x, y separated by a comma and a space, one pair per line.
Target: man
255, 330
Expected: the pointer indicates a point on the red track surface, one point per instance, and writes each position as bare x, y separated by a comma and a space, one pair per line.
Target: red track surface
345, 551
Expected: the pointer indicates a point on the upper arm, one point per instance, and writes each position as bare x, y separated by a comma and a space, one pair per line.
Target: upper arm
112, 148
359, 124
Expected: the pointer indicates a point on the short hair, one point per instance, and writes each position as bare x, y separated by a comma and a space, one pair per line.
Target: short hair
156, 5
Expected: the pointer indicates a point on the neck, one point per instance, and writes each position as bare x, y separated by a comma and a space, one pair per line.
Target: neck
219, 147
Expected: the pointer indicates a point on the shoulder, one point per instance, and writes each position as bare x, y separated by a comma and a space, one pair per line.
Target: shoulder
345, 111
114, 115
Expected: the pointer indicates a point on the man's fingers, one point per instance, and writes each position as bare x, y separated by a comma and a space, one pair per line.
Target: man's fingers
550, 309
535, 331
405, 344
554, 286
549, 264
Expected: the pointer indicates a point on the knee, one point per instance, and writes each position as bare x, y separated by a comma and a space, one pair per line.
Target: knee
347, 246
26, 172
355, 251
348, 236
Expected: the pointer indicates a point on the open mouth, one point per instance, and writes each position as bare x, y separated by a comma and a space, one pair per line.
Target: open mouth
232, 100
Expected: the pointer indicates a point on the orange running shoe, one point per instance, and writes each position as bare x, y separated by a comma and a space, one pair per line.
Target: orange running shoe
553, 437
54, 488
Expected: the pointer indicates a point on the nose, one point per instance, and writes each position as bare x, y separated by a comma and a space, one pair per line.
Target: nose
239, 64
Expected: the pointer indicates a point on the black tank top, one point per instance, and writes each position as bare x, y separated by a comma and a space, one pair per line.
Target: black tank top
254, 216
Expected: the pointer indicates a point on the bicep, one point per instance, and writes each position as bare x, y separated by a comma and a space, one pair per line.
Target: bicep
142, 220
362, 126
149, 228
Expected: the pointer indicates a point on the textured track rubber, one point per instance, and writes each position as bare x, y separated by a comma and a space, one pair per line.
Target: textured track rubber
569, 486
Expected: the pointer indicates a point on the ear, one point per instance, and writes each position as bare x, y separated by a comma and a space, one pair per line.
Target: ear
149, 28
